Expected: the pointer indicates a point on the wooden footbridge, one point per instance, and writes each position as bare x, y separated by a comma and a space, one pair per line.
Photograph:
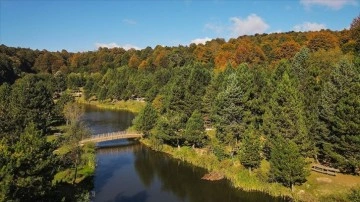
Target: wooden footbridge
111, 136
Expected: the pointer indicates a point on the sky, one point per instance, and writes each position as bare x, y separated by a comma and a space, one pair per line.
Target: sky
80, 25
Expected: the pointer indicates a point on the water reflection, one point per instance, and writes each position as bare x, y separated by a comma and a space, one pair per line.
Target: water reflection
128, 171
136, 173
106, 121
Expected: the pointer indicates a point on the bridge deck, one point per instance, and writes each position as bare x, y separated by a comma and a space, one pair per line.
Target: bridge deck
111, 136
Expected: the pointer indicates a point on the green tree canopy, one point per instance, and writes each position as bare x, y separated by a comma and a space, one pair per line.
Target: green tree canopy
146, 119
250, 149
27, 167
339, 109
286, 163
285, 115
195, 131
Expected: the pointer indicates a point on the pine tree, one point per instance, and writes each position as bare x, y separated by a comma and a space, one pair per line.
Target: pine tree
286, 163
339, 109
237, 105
168, 128
208, 103
285, 116
250, 150
229, 107
195, 130
146, 119
27, 166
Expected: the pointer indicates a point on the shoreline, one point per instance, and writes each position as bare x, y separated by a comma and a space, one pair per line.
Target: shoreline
239, 177
315, 189
232, 173
129, 105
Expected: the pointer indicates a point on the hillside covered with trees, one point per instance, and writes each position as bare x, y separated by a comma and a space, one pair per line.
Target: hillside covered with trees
284, 97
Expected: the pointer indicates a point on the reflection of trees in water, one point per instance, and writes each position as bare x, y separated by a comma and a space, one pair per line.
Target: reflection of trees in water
103, 120
116, 150
140, 196
104, 173
185, 181
144, 165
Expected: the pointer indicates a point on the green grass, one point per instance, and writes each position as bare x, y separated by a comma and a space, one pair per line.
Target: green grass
86, 167
129, 105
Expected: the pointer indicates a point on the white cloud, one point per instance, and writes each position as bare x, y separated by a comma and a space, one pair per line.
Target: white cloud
251, 25
276, 31
115, 45
309, 26
129, 21
333, 4
201, 40
130, 46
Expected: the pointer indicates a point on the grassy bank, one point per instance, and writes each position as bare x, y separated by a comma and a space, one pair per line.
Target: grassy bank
66, 172
85, 170
319, 187
230, 168
129, 105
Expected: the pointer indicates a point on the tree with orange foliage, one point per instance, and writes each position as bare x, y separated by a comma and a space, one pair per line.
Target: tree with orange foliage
287, 50
203, 54
134, 61
160, 57
248, 52
355, 33
144, 64
322, 40
225, 57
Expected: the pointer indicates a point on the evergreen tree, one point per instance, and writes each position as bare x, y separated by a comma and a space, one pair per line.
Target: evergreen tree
31, 101
239, 105
196, 84
208, 99
285, 116
195, 131
168, 128
27, 166
286, 163
229, 108
6, 120
250, 149
146, 119
176, 95
339, 109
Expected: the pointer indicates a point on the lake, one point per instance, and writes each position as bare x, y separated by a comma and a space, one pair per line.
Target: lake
128, 171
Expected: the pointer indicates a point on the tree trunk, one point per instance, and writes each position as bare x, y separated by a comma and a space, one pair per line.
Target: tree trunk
76, 168
292, 187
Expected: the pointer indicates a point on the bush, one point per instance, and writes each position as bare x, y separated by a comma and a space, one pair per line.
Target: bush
354, 195
219, 152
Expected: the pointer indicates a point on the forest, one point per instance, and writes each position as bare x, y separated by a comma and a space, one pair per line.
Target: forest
283, 97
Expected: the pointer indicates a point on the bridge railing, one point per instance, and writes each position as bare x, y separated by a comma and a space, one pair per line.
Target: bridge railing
108, 134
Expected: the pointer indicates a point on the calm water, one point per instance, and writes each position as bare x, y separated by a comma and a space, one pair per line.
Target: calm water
128, 171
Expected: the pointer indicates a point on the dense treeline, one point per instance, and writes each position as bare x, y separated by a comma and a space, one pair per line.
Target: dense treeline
265, 49
28, 161
284, 97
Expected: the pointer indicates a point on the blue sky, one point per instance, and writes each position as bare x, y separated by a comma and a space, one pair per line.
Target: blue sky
80, 25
